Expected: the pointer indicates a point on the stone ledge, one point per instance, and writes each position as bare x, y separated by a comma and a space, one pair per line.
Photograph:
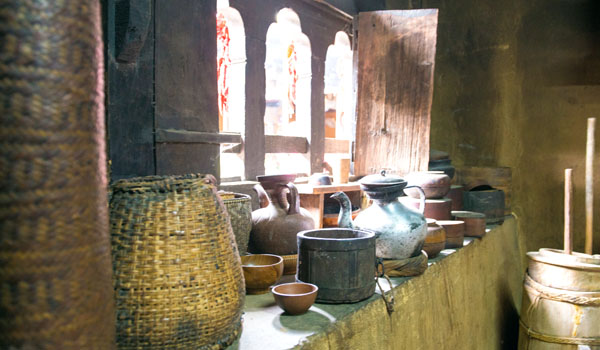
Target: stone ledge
467, 299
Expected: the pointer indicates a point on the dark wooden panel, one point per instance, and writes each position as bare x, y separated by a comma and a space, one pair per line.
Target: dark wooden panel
182, 158
184, 136
395, 88
285, 144
186, 82
130, 88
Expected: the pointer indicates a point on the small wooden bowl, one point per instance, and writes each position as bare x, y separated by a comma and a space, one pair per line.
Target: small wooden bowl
290, 264
295, 298
435, 241
474, 222
435, 184
261, 271
455, 232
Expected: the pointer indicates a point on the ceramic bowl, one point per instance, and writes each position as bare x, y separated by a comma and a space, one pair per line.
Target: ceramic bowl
295, 298
435, 184
261, 271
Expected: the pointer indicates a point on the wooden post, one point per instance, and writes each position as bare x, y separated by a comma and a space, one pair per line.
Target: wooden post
568, 242
589, 186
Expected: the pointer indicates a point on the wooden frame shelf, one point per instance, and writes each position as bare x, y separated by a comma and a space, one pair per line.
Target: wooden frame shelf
312, 198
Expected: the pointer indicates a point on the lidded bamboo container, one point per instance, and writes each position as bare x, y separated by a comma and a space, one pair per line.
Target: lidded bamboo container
178, 277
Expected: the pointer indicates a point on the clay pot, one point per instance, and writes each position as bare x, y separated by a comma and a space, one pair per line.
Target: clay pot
455, 232
295, 298
261, 271
438, 209
444, 165
434, 184
474, 222
456, 194
275, 225
435, 241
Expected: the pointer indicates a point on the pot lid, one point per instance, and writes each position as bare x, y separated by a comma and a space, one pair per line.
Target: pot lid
381, 180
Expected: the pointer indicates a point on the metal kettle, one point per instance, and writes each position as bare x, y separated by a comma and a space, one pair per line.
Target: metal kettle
400, 231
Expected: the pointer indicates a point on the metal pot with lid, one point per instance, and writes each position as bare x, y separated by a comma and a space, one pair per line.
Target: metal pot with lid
400, 231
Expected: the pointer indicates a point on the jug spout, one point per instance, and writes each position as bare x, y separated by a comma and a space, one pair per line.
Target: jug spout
345, 217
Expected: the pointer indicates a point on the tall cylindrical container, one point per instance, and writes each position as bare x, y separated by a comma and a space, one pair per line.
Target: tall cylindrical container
178, 276
341, 262
55, 275
561, 302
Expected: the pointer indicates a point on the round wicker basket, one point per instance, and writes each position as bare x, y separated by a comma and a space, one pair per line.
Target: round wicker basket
178, 277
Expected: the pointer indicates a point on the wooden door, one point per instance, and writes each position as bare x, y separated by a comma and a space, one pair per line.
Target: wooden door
396, 55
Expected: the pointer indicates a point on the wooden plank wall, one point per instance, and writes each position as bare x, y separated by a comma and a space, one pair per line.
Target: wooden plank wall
396, 55
186, 83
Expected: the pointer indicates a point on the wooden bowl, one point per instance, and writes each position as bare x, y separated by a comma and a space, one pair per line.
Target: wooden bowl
290, 264
455, 232
295, 298
435, 241
456, 194
438, 209
474, 222
435, 184
261, 271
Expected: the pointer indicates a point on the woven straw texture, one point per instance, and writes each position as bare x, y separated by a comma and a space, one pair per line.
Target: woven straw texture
178, 277
240, 214
55, 270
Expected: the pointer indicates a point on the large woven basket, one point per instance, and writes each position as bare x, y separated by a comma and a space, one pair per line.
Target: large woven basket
240, 213
178, 277
55, 271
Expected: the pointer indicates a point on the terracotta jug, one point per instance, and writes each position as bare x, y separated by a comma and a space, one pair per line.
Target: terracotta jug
280, 218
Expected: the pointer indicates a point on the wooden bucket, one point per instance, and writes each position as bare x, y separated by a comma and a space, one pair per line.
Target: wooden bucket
341, 262
561, 302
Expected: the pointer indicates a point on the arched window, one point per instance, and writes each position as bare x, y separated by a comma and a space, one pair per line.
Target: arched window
339, 116
287, 93
231, 78
338, 88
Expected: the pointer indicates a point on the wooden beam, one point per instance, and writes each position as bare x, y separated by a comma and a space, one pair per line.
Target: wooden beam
186, 136
337, 146
285, 144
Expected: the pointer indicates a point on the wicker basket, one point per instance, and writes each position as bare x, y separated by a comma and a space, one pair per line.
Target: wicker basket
178, 277
240, 213
55, 270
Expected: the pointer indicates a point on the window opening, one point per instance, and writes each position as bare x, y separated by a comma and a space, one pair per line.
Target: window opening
287, 93
231, 81
338, 97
